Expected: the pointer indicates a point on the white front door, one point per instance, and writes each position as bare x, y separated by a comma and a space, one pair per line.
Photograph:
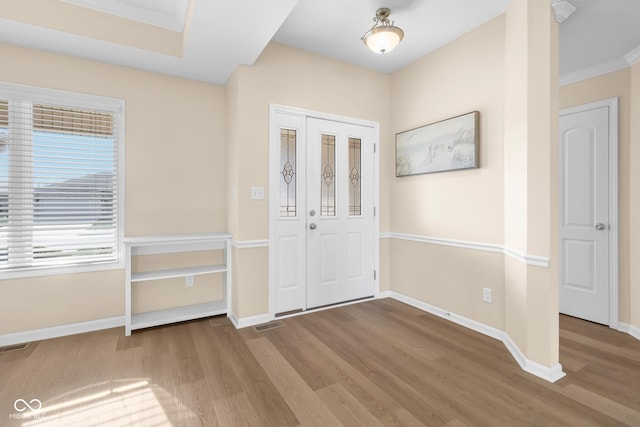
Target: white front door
322, 227
584, 214
340, 224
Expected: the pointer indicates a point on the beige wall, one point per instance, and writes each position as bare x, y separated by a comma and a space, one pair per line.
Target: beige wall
175, 179
616, 84
634, 202
505, 69
292, 77
463, 76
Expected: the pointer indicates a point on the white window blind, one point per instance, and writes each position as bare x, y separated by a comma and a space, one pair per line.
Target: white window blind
59, 186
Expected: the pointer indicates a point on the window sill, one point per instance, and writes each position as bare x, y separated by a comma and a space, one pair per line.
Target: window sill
59, 271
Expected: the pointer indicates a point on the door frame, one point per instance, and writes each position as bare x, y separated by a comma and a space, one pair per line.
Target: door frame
614, 266
274, 160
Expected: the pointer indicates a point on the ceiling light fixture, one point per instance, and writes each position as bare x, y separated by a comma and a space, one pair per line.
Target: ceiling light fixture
383, 36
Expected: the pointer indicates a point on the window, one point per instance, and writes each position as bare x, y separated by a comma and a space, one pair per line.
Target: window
61, 181
288, 202
355, 183
328, 184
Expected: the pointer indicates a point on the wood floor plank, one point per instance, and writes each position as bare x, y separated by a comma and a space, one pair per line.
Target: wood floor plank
408, 419
263, 395
305, 404
217, 368
346, 408
455, 423
398, 337
352, 347
376, 400
572, 362
197, 406
527, 401
564, 409
620, 352
600, 403
446, 391
305, 355
237, 410
379, 362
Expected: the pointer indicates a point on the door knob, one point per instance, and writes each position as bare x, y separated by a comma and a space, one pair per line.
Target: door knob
312, 226
600, 226
312, 212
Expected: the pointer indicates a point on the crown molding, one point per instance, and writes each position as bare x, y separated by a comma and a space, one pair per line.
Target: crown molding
562, 9
633, 57
629, 60
606, 67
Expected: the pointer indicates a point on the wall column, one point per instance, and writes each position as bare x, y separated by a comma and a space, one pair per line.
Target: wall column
531, 115
634, 201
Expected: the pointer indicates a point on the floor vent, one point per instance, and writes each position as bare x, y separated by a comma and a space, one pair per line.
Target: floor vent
268, 326
16, 347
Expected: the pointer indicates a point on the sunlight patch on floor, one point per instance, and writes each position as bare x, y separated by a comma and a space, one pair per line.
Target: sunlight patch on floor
122, 403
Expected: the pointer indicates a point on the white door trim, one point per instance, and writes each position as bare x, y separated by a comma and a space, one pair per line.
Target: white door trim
612, 104
274, 146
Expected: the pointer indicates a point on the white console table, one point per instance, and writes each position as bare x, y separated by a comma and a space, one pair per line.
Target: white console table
152, 245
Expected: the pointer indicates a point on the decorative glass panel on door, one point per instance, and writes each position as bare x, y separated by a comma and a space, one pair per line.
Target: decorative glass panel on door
327, 181
355, 184
288, 202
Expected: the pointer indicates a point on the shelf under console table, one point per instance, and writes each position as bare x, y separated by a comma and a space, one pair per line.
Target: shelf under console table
174, 244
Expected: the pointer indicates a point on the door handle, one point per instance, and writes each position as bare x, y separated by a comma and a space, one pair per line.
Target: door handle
312, 226
600, 226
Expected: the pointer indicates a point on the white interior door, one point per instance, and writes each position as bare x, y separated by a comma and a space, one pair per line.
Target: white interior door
340, 225
584, 214
322, 226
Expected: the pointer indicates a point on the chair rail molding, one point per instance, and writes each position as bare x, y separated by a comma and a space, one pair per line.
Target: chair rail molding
249, 244
535, 260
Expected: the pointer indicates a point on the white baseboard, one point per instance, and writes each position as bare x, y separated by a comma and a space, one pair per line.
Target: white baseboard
460, 320
61, 331
551, 374
245, 322
629, 329
385, 294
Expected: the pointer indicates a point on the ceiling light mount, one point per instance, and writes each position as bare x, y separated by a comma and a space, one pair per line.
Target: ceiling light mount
562, 9
383, 37
382, 15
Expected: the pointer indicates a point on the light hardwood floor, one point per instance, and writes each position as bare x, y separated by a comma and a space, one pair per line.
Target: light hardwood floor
369, 364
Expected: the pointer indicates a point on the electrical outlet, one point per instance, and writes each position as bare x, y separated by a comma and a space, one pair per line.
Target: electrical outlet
487, 295
189, 280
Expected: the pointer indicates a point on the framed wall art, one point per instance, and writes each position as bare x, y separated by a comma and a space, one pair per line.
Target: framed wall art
448, 145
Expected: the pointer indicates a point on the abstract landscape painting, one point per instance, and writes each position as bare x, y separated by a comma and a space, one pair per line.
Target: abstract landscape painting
451, 144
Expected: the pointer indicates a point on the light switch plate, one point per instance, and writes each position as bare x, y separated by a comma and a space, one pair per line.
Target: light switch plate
257, 193
487, 295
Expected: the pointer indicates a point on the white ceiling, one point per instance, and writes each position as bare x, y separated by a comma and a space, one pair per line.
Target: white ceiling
334, 27
169, 14
598, 36
224, 33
